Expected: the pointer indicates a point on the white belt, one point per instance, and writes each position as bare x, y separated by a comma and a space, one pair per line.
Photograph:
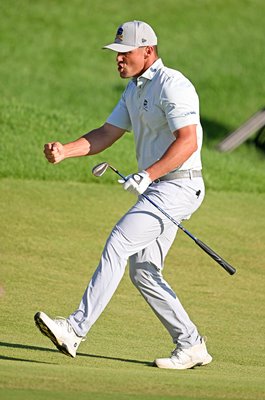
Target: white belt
190, 173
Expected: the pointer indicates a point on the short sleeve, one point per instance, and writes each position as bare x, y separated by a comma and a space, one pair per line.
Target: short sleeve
180, 103
120, 116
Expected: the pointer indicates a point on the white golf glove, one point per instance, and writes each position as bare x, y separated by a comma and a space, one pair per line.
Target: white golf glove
136, 183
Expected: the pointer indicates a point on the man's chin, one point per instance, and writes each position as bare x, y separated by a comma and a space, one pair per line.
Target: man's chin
124, 75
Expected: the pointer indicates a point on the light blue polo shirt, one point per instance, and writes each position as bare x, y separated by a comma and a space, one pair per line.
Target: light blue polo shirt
155, 105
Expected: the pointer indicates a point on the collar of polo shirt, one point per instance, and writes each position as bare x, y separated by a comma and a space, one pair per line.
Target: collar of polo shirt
149, 73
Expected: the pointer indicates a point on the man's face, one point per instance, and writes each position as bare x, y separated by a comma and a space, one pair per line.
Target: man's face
132, 63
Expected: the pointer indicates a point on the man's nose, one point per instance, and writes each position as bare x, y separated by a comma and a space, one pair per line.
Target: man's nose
119, 57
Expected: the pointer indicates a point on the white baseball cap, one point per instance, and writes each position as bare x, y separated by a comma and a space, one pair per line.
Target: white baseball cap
132, 35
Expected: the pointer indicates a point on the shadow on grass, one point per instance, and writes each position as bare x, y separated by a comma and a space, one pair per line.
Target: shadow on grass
127, 360
38, 348
23, 360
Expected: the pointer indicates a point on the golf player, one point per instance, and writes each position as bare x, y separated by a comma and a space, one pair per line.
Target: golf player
161, 107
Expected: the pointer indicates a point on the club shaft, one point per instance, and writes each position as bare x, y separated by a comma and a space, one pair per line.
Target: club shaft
117, 172
231, 270
224, 264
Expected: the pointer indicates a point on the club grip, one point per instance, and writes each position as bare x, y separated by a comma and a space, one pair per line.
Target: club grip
231, 270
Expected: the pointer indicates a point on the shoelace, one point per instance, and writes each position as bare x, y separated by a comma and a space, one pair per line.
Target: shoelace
64, 322
176, 352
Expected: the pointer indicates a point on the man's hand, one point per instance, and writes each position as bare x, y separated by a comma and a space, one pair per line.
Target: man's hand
137, 183
54, 152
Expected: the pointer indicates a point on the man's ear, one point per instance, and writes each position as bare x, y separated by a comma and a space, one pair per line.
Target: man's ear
148, 51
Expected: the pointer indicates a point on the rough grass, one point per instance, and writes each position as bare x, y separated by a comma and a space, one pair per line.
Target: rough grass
56, 82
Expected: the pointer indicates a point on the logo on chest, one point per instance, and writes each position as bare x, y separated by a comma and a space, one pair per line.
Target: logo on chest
145, 105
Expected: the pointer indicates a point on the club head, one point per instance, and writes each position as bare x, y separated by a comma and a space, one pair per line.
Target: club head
100, 169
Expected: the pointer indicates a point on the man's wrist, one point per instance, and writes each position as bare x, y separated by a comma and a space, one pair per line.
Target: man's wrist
77, 148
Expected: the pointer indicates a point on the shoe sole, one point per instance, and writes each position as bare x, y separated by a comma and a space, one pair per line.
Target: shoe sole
191, 365
48, 333
187, 366
207, 360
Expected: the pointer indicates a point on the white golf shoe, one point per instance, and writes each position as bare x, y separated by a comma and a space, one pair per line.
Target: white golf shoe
186, 358
60, 332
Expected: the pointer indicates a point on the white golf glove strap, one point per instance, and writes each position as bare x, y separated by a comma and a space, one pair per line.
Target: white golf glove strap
137, 183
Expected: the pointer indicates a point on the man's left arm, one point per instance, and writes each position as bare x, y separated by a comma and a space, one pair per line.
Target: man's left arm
176, 154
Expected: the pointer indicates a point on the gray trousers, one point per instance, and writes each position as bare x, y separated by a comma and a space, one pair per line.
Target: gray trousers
143, 236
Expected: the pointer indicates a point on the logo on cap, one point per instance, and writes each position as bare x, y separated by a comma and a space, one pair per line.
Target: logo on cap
119, 34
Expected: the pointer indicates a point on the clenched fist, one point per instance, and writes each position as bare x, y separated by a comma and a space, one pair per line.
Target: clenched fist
54, 152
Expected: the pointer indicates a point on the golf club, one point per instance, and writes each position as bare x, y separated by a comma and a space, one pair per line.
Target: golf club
101, 168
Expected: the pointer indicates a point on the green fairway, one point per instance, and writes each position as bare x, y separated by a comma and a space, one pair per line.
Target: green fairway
56, 84
53, 236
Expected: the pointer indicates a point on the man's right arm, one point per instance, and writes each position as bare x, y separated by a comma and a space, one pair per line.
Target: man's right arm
91, 143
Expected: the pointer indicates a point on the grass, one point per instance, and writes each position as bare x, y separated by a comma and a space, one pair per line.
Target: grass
53, 237
56, 84
242, 171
